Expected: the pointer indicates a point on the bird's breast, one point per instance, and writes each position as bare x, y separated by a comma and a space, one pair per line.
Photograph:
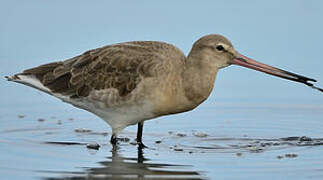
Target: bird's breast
169, 97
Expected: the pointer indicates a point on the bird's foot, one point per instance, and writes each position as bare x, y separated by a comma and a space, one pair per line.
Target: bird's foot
114, 140
141, 145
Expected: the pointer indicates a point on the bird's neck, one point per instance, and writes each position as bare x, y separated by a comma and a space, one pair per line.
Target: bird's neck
198, 78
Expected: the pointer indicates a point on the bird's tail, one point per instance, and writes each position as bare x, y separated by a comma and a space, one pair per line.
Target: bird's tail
28, 80
37, 77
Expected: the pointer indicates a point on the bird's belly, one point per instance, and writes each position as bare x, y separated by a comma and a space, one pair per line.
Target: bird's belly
117, 116
120, 117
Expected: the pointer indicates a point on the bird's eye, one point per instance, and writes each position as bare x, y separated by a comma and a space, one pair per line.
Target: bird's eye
220, 48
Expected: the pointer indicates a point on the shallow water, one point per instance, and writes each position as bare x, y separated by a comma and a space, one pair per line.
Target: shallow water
230, 139
241, 138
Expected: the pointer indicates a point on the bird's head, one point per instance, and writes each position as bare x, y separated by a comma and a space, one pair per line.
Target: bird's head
218, 52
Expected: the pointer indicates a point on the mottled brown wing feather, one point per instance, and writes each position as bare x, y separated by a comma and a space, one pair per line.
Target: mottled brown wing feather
120, 66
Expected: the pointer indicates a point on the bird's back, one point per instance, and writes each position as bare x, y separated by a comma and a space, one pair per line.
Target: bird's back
114, 82
120, 66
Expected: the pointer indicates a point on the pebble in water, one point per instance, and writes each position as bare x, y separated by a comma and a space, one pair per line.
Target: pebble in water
178, 149
82, 130
95, 146
180, 134
292, 138
305, 138
133, 143
317, 143
255, 149
123, 139
200, 134
291, 155
41, 119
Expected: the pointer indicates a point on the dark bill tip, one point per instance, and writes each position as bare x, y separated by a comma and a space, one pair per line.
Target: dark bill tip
252, 64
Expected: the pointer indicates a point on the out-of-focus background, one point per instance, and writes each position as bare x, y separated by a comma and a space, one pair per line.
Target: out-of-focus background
287, 34
245, 103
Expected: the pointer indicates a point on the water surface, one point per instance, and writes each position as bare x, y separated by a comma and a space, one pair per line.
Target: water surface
255, 126
226, 140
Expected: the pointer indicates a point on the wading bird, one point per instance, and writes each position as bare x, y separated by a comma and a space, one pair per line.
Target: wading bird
131, 82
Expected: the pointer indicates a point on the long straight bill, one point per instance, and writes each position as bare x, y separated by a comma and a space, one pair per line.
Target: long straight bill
252, 64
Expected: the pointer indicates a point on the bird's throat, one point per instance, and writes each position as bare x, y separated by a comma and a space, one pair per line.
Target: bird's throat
198, 81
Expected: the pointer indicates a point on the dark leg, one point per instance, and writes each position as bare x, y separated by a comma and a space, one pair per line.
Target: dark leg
140, 158
113, 139
139, 135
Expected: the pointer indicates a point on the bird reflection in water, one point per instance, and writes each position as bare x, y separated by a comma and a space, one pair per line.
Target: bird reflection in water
118, 167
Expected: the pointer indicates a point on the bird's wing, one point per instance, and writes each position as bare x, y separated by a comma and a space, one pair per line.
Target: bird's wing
120, 66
